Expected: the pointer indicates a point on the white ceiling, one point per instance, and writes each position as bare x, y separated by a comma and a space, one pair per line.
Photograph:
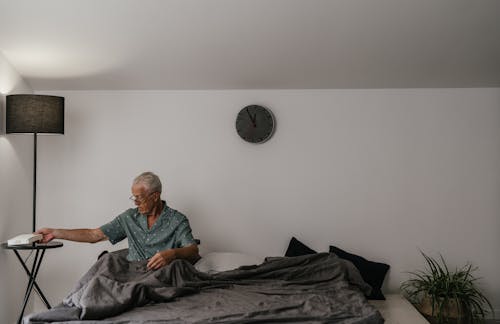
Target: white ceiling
252, 44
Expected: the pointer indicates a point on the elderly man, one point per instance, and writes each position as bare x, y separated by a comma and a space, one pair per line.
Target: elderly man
155, 231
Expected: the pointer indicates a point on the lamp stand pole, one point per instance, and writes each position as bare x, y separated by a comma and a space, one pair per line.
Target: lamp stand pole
34, 182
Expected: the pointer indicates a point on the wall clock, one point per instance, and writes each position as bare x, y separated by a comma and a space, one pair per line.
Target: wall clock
255, 124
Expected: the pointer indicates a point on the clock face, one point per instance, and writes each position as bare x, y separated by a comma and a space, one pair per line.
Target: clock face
255, 124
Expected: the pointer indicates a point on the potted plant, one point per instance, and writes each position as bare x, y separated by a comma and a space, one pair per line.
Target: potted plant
446, 295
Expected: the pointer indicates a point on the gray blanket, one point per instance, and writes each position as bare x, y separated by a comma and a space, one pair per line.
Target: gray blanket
318, 288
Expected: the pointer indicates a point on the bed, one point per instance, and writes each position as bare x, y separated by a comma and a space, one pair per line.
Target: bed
319, 288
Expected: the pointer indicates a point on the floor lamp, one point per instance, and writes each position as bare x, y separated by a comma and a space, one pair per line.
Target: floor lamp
34, 114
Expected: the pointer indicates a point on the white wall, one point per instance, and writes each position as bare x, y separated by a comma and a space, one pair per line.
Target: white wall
381, 173
16, 163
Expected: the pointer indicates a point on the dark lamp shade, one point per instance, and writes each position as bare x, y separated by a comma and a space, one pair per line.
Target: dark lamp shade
34, 114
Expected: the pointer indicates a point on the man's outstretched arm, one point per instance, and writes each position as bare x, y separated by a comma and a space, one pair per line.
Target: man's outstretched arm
76, 235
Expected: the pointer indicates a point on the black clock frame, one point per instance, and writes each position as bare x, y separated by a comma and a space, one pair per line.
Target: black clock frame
255, 124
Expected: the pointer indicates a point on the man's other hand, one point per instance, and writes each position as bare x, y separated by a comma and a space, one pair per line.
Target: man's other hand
161, 259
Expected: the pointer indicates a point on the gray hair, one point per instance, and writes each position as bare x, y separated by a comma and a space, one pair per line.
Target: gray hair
149, 180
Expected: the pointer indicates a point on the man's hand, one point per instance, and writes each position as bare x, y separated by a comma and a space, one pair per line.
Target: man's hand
48, 234
161, 259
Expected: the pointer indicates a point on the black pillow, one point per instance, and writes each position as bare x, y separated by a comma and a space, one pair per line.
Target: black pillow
297, 248
373, 273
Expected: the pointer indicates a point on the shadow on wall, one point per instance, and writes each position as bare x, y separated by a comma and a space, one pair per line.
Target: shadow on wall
17, 152
15, 189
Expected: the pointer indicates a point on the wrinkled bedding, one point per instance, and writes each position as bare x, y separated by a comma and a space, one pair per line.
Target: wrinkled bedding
317, 288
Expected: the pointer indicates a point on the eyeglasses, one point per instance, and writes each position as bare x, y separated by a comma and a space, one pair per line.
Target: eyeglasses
138, 199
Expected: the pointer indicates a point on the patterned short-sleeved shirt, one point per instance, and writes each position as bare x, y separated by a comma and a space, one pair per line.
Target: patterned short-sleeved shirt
171, 230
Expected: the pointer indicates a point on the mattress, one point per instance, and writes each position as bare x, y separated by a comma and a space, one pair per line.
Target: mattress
397, 310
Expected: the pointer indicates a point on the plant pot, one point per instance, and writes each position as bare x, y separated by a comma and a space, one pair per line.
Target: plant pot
452, 310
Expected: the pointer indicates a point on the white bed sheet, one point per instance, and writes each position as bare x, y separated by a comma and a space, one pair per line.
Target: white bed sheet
397, 310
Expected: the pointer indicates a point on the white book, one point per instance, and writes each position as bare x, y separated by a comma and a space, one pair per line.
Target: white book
24, 239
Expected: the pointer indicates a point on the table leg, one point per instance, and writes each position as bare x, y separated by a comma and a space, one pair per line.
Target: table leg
34, 272
37, 288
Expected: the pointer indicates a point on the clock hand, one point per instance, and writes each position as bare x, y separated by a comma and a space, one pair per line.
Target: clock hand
251, 118
255, 119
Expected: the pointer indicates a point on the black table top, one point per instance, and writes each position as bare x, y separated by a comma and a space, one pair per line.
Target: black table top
34, 246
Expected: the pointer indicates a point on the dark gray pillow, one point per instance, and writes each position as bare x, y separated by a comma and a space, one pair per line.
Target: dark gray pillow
297, 248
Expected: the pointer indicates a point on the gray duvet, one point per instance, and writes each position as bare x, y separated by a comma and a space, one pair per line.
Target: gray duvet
318, 288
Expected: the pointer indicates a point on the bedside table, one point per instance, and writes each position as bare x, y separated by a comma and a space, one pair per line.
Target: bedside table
38, 247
